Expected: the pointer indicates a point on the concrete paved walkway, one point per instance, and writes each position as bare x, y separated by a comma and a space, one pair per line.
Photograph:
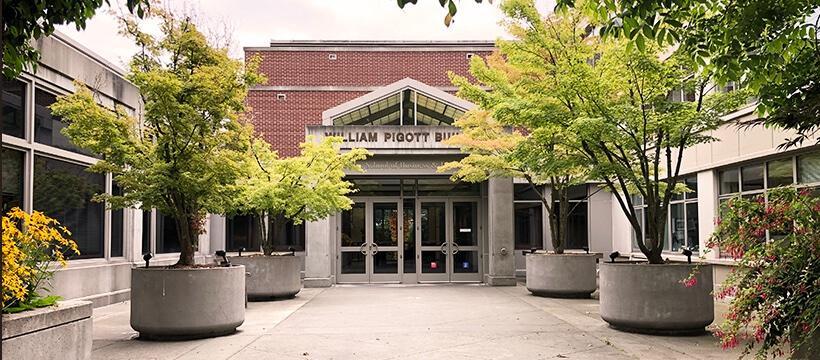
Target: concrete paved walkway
408, 322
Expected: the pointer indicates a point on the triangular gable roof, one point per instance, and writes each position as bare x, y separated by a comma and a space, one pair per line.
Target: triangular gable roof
406, 83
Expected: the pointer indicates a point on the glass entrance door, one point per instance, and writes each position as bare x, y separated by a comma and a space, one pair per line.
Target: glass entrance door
464, 244
432, 240
448, 238
370, 242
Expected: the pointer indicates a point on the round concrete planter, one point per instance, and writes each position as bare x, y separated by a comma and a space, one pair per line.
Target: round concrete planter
565, 275
271, 276
187, 303
649, 298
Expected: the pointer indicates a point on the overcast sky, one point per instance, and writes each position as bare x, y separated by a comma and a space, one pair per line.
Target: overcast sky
256, 22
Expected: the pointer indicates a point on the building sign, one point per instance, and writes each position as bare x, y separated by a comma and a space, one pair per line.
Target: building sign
387, 136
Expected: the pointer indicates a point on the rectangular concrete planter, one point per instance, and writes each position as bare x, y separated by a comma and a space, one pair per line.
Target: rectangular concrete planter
56, 332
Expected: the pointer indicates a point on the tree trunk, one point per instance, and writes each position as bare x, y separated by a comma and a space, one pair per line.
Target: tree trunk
188, 235
276, 227
654, 233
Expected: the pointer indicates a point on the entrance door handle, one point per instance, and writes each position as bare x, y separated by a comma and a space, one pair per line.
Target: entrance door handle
374, 248
455, 248
361, 248
443, 250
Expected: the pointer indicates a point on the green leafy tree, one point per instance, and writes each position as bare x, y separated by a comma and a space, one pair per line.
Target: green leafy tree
307, 187
635, 136
526, 105
186, 155
770, 46
450, 5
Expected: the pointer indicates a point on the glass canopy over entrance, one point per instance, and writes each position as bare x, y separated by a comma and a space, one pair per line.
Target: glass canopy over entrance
405, 107
406, 102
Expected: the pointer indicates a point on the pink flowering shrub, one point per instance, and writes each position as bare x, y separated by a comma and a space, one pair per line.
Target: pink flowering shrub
774, 291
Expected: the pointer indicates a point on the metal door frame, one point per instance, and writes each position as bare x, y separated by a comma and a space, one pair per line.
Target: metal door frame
448, 247
369, 248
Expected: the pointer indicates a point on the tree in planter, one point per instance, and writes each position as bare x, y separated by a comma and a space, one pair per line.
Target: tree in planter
522, 126
186, 155
774, 291
634, 136
307, 187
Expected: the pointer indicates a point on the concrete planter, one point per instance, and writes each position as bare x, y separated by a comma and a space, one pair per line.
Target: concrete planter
565, 275
187, 303
271, 276
651, 298
57, 332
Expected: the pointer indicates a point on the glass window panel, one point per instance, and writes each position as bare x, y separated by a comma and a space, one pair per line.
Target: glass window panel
692, 236
146, 231
242, 231
386, 262
577, 192
353, 225
385, 224
691, 182
14, 108
167, 234
529, 226
291, 237
465, 262
117, 230
409, 236
444, 187
808, 168
752, 177
525, 192
677, 226
639, 215
779, 173
729, 181
376, 187
433, 262
465, 223
13, 161
353, 262
64, 191
433, 228
577, 227
47, 127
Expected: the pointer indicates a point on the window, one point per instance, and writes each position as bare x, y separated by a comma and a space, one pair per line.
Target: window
146, 231
331, 56
117, 229
243, 232
12, 179
290, 237
64, 191
166, 234
808, 168
47, 126
14, 108
779, 173
469, 56
683, 218
281, 97
756, 179
528, 218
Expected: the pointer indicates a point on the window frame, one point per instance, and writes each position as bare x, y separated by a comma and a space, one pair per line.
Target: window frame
30, 148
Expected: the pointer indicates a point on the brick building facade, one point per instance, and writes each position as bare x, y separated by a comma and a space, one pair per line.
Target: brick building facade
305, 78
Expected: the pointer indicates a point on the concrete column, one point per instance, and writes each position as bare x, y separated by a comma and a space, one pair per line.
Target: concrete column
218, 233
319, 252
500, 230
707, 210
600, 220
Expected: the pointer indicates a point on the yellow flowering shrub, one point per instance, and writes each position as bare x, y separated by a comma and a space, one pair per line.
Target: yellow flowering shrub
31, 243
